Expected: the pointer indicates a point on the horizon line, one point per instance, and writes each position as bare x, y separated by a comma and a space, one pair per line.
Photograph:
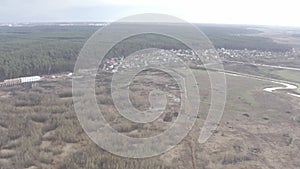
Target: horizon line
108, 22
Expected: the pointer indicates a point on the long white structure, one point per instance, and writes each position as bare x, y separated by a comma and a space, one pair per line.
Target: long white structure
30, 79
21, 80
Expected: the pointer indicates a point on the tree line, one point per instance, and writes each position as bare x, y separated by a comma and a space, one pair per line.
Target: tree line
42, 50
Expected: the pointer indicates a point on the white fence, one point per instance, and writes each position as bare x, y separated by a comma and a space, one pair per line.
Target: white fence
21, 80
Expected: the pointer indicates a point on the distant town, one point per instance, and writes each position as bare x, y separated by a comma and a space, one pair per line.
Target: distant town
208, 56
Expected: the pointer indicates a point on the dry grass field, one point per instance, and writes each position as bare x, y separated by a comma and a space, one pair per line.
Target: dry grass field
39, 127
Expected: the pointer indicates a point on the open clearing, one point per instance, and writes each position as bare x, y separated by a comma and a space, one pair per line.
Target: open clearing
258, 129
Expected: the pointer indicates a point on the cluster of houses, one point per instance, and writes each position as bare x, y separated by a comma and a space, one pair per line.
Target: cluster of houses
189, 56
255, 55
157, 57
175, 57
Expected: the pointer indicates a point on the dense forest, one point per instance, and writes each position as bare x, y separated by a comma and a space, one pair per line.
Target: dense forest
240, 37
41, 50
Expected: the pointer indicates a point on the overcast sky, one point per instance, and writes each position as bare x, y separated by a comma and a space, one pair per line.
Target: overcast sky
262, 12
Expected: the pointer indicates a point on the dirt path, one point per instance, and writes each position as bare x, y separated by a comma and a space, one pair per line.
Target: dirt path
286, 85
264, 65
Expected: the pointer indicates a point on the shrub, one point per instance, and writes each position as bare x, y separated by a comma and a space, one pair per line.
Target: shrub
3, 124
168, 117
39, 118
28, 99
102, 99
246, 115
46, 157
297, 119
7, 154
233, 159
51, 125
65, 94
125, 127
69, 131
14, 134
25, 156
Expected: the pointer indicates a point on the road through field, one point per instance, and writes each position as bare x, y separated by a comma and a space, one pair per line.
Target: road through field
264, 65
285, 85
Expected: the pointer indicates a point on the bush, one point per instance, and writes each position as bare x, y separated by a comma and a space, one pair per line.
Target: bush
297, 119
39, 118
69, 131
28, 99
233, 159
46, 157
125, 127
168, 117
14, 134
25, 156
105, 100
246, 115
7, 154
3, 124
65, 94
58, 109
52, 125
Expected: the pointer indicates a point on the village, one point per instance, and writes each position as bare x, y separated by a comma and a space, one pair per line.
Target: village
205, 56
173, 57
